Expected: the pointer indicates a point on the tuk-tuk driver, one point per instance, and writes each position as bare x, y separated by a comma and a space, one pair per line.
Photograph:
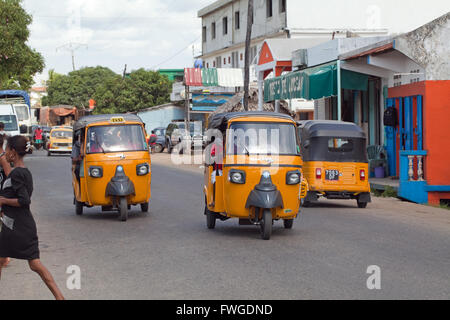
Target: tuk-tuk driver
77, 156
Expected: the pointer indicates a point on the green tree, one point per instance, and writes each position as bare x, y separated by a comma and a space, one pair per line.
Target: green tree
78, 87
18, 62
140, 90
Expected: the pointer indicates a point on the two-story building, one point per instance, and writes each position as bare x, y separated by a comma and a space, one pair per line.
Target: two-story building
224, 26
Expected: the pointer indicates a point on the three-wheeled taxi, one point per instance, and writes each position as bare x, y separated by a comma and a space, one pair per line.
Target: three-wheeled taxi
335, 161
114, 167
253, 170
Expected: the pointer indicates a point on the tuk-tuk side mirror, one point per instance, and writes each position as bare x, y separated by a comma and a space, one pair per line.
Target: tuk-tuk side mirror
306, 144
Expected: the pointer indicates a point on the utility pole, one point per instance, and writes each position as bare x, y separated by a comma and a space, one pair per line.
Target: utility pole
247, 53
72, 47
125, 72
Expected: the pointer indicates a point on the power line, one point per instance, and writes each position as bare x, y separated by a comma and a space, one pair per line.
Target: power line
176, 54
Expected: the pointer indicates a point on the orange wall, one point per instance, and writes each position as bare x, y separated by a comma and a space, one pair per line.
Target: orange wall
437, 132
436, 126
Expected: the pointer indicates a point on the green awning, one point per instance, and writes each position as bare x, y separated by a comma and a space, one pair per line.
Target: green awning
313, 83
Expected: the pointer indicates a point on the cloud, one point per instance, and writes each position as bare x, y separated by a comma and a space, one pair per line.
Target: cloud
139, 33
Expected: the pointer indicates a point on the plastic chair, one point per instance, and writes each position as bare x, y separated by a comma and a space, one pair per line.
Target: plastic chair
377, 158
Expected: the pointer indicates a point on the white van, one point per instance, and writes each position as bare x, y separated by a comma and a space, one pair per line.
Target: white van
9, 118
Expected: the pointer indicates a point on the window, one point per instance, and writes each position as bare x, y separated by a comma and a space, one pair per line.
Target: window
225, 25
10, 122
269, 8
340, 145
237, 20
219, 62
213, 30
242, 56
224, 61
214, 64
282, 6
204, 34
229, 60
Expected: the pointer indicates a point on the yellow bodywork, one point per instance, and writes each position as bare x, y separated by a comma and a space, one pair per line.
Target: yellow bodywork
349, 181
92, 191
56, 144
231, 198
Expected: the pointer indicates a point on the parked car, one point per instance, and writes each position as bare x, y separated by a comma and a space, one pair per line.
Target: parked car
176, 133
161, 144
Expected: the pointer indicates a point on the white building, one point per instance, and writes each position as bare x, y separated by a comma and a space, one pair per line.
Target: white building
224, 23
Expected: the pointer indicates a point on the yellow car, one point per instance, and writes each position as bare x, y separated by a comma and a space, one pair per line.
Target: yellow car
60, 140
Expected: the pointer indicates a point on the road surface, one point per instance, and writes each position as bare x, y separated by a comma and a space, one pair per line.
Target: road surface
170, 254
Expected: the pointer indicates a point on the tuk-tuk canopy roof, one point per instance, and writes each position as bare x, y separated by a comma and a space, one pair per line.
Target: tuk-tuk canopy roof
220, 121
88, 120
323, 128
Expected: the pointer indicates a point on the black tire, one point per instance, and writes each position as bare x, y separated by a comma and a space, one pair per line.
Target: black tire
123, 209
144, 207
210, 219
49, 154
288, 224
266, 225
306, 204
159, 148
362, 205
79, 208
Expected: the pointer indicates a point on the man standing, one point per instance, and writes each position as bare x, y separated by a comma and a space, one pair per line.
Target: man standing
38, 137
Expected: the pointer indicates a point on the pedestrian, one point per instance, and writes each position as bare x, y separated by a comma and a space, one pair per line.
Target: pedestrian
18, 237
152, 141
38, 137
3, 173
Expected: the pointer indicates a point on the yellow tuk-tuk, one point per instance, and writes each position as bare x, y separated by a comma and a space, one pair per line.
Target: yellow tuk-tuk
335, 161
253, 170
112, 168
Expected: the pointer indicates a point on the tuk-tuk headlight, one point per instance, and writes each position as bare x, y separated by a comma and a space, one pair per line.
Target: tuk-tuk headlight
237, 177
143, 169
293, 178
96, 172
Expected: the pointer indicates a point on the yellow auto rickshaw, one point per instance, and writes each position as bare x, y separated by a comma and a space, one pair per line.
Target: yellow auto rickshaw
112, 165
253, 170
335, 161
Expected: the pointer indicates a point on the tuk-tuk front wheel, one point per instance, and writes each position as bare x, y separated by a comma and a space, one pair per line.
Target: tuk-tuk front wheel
123, 209
266, 225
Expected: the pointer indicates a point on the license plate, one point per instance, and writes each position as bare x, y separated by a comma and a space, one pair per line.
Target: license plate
332, 175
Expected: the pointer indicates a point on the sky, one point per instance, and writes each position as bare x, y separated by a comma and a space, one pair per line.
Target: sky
156, 34
150, 34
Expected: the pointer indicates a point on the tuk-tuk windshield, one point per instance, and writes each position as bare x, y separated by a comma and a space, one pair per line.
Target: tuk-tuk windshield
260, 138
108, 139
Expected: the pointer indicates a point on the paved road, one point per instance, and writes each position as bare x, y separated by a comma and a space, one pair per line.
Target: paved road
169, 254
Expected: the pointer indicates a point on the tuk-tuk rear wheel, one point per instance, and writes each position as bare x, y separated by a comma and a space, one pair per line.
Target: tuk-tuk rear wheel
266, 225
362, 205
288, 224
210, 219
78, 208
123, 209
144, 207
